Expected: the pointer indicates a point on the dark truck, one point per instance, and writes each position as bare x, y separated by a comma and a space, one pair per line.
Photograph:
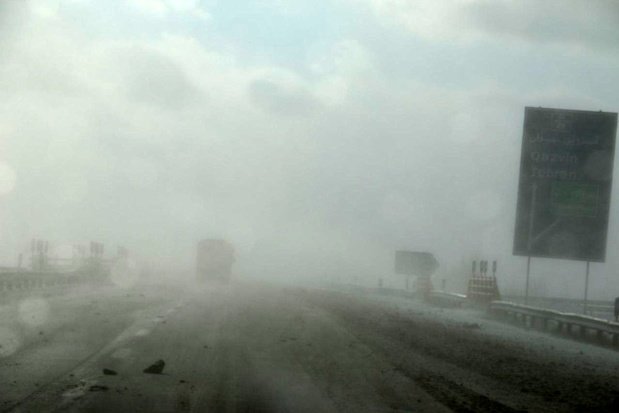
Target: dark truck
214, 260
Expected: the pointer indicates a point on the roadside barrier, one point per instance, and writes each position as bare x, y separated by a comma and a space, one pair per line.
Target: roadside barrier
593, 309
34, 281
482, 289
550, 320
390, 291
605, 332
445, 299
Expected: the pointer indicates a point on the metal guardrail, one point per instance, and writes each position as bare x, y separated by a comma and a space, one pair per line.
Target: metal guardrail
445, 294
25, 281
373, 290
592, 309
531, 316
443, 298
598, 308
562, 322
392, 291
435, 297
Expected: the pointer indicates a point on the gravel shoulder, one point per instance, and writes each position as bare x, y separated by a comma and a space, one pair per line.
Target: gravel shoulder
481, 359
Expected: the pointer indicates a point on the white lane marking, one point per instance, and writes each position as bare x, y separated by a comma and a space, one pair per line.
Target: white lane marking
122, 353
142, 332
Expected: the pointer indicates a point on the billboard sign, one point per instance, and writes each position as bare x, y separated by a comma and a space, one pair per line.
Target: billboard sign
415, 263
566, 168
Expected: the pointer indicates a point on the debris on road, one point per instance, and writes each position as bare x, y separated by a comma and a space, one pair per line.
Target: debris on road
155, 368
98, 387
109, 372
471, 326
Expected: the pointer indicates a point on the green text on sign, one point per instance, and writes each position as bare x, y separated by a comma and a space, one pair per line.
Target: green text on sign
574, 199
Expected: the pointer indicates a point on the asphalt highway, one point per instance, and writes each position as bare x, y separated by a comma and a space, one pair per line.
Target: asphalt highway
266, 348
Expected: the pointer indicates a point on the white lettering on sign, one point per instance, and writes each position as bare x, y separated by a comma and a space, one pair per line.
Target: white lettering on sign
549, 173
564, 139
554, 157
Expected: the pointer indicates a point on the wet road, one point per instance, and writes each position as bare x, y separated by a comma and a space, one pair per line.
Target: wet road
249, 348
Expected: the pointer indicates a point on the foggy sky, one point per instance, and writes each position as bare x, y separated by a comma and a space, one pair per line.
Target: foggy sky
318, 136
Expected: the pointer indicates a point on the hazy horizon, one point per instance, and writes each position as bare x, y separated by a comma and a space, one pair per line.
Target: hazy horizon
318, 137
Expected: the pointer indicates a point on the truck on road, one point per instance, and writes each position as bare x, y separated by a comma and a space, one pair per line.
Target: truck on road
214, 260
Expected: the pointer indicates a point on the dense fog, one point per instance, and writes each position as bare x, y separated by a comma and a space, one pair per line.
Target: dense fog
317, 137
309, 206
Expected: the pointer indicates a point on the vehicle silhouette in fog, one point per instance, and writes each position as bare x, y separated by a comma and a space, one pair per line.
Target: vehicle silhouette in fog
214, 260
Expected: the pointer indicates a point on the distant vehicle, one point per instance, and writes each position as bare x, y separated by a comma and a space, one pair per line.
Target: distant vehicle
214, 260
416, 263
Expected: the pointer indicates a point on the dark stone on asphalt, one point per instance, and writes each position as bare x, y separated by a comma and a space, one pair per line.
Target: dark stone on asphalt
155, 368
98, 387
109, 372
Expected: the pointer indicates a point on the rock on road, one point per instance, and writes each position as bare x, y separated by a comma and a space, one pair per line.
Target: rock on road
261, 348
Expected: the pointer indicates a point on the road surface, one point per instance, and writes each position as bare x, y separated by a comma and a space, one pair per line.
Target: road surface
265, 348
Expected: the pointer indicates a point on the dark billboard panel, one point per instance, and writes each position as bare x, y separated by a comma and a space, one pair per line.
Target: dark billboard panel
566, 169
415, 263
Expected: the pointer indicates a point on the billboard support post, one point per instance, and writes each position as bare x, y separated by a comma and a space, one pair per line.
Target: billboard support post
530, 239
584, 309
526, 287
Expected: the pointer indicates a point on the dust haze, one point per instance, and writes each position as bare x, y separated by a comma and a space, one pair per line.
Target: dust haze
316, 152
273, 206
